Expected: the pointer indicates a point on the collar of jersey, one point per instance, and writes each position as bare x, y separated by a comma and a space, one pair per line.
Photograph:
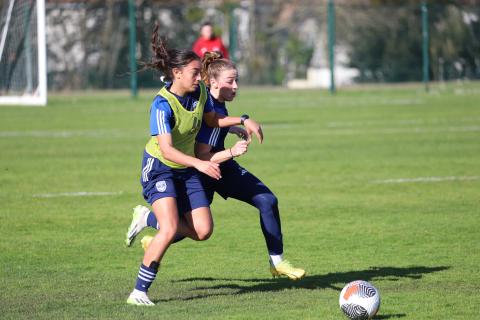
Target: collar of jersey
167, 88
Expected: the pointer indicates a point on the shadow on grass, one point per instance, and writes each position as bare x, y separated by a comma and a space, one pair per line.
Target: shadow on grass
312, 282
389, 316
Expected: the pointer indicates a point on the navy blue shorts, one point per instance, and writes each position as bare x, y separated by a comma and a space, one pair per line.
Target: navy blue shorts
236, 182
160, 181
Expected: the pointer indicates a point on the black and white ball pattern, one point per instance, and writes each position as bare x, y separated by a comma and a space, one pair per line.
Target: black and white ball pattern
359, 300
354, 312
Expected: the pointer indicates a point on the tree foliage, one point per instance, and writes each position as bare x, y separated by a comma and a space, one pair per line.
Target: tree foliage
385, 41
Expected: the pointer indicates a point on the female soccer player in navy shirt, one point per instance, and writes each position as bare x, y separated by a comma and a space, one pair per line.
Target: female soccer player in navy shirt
236, 182
171, 185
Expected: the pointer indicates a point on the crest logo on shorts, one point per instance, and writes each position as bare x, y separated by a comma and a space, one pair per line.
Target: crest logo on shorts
161, 186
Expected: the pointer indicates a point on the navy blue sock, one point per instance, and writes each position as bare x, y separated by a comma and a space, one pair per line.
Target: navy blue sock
267, 204
152, 222
145, 277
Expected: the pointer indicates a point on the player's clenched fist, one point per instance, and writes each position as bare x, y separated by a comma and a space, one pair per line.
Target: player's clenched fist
239, 148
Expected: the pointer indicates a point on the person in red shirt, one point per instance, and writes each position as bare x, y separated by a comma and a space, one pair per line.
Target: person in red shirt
208, 41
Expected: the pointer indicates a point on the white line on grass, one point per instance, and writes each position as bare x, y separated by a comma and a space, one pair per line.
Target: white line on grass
393, 131
305, 102
76, 194
333, 129
402, 122
428, 130
68, 134
46, 134
386, 131
426, 179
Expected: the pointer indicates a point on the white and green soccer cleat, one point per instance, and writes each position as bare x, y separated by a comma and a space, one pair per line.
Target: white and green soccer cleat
139, 222
139, 298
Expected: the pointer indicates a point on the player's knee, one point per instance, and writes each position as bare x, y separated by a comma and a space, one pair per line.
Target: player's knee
204, 236
205, 232
169, 230
265, 201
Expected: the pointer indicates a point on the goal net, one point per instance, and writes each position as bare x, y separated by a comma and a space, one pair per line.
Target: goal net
23, 74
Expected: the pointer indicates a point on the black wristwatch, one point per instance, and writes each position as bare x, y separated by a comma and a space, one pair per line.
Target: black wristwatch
243, 118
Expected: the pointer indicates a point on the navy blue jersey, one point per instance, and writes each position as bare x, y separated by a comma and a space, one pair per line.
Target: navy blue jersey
214, 137
161, 115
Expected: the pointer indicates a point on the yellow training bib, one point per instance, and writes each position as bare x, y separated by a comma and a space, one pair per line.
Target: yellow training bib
187, 125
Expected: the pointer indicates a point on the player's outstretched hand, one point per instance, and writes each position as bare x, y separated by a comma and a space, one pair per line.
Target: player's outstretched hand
253, 127
239, 148
239, 132
210, 168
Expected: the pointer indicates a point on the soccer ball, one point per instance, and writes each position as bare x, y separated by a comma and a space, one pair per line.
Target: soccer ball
359, 300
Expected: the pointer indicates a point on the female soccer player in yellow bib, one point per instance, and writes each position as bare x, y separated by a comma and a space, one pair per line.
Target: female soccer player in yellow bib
170, 180
236, 181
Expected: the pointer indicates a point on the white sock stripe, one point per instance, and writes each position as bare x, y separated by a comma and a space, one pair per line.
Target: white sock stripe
145, 279
147, 274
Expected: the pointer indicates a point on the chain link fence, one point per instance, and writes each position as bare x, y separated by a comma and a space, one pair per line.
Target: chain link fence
273, 42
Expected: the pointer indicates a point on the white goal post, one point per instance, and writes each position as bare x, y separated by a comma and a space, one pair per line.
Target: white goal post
23, 54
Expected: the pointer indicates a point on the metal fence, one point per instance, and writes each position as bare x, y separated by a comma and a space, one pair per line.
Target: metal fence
273, 42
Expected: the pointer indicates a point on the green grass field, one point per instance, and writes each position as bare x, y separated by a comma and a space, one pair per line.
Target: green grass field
379, 184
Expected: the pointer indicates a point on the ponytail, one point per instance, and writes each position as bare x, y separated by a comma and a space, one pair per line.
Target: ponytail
207, 60
165, 59
212, 64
